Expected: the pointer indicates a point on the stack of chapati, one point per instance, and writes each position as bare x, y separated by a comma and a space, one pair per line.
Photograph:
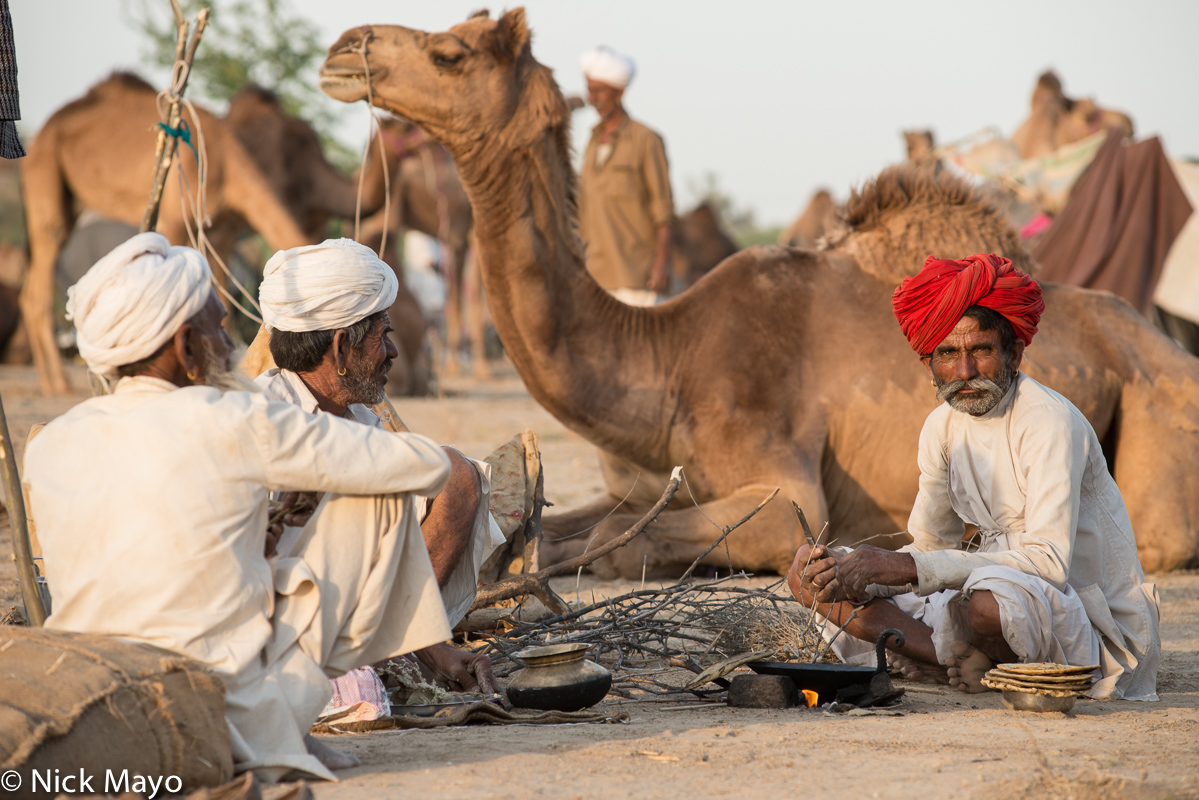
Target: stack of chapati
1052, 680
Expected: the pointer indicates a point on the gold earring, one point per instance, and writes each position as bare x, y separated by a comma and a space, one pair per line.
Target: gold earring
933, 384
190, 376
341, 371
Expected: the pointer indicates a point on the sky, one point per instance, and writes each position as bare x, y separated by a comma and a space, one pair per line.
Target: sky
776, 98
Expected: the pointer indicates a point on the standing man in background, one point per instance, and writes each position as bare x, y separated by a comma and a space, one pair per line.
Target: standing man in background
625, 204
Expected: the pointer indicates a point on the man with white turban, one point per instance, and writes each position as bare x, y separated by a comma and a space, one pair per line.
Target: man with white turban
325, 308
152, 511
625, 203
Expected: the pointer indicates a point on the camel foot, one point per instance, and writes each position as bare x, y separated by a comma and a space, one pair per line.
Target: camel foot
917, 671
332, 758
966, 668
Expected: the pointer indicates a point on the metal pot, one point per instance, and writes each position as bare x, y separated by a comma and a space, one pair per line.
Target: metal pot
558, 677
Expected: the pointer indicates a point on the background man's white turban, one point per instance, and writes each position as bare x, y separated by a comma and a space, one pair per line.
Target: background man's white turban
326, 286
605, 65
134, 299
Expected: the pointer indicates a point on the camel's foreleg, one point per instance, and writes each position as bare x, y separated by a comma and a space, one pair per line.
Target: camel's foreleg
48, 220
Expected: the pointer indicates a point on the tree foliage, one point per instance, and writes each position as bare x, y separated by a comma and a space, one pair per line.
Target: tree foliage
247, 41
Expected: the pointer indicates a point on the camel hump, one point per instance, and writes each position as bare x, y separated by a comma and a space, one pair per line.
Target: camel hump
120, 83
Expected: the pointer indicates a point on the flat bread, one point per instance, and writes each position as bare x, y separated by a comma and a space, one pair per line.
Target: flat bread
1008, 682
1005, 687
1046, 668
1045, 679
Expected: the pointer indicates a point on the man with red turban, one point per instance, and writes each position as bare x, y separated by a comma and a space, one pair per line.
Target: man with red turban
1050, 572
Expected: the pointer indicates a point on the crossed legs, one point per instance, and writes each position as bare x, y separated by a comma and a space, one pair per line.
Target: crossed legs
917, 658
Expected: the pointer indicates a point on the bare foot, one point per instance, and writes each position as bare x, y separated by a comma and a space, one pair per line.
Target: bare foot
967, 666
917, 671
331, 758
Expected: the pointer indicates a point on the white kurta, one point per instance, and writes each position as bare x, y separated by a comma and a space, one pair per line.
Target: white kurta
1031, 475
462, 586
151, 506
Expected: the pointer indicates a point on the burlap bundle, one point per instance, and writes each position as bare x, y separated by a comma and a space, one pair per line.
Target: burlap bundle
74, 702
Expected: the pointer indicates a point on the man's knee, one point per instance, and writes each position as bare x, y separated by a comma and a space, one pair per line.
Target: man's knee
464, 486
983, 614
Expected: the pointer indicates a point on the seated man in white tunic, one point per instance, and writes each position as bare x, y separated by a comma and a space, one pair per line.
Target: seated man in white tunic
325, 308
152, 510
1053, 574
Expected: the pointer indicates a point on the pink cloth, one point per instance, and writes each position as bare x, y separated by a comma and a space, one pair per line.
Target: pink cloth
360, 685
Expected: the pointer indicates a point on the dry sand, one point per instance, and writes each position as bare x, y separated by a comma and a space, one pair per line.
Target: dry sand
942, 745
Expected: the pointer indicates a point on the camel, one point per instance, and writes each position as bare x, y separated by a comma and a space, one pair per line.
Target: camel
1057, 120
920, 145
427, 196
98, 152
288, 153
813, 222
700, 243
782, 367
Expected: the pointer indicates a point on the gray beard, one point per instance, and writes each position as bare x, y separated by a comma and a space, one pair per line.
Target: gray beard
990, 393
219, 376
365, 387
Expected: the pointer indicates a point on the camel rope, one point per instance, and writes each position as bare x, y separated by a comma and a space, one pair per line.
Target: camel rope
195, 209
374, 131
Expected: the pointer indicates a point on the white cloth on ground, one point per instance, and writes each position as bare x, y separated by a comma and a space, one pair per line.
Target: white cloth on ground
152, 508
134, 299
459, 592
605, 65
325, 286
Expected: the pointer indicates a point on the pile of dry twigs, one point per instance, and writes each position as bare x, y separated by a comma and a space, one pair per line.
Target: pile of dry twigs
644, 635
648, 636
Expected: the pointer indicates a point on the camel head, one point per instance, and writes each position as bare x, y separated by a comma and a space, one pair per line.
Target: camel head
475, 82
1056, 119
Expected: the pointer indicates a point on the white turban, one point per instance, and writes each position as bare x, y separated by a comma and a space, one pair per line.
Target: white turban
605, 65
134, 299
323, 287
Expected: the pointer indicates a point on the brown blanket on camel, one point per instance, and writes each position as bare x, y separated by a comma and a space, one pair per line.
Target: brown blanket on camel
1118, 225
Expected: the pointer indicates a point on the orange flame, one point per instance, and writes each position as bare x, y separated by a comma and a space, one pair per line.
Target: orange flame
810, 697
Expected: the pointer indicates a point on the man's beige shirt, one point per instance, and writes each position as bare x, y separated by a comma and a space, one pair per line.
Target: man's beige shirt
622, 205
151, 505
1031, 475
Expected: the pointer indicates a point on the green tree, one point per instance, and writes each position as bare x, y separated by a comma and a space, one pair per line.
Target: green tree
247, 41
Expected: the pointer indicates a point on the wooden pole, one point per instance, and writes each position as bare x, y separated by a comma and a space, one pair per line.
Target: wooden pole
168, 144
19, 523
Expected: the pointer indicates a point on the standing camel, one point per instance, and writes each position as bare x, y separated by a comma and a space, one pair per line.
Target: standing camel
427, 196
700, 243
780, 368
98, 152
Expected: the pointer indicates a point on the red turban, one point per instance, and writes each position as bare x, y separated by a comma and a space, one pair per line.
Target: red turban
929, 304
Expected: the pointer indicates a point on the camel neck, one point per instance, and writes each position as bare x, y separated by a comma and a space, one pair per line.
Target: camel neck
580, 352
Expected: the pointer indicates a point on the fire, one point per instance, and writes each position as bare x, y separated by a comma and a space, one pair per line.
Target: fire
810, 697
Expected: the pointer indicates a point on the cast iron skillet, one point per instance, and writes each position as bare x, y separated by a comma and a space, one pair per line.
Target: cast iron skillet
827, 679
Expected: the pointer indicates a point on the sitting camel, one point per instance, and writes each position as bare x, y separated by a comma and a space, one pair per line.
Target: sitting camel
816, 220
98, 152
780, 368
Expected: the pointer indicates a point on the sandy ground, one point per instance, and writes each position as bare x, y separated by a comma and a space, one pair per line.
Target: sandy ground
943, 744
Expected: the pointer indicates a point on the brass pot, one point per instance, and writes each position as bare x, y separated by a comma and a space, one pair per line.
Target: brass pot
558, 677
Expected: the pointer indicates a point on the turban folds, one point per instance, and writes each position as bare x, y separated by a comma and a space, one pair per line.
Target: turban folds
930, 303
605, 65
323, 287
134, 299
